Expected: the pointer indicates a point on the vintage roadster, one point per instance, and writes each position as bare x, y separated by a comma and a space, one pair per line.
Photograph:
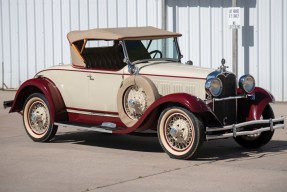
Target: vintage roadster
125, 80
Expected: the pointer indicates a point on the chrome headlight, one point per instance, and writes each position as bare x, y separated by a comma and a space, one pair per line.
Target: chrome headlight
247, 83
213, 86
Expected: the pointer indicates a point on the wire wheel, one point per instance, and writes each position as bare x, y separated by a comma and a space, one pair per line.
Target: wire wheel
180, 133
37, 119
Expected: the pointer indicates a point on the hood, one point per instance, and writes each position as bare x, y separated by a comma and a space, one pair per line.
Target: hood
173, 69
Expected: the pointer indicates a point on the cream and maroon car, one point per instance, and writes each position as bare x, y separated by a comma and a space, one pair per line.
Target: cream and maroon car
125, 80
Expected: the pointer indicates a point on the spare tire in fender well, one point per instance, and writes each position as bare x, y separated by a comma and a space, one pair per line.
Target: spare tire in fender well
145, 88
51, 92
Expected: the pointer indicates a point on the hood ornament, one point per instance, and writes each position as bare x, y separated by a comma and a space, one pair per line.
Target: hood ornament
222, 67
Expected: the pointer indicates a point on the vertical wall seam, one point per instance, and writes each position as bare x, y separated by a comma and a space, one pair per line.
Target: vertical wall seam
257, 43
98, 14
70, 22
10, 42
127, 17
18, 41
146, 12
35, 35
117, 14
283, 39
270, 50
61, 28
156, 5
44, 34
79, 17
2, 47
210, 35
88, 13
53, 38
27, 38
188, 30
70, 18
222, 31
199, 33
136, 8
107, 5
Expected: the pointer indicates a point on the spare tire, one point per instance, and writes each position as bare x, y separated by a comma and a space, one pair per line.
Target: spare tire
135, 95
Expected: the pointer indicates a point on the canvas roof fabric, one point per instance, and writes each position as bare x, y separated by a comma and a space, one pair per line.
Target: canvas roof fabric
124, 33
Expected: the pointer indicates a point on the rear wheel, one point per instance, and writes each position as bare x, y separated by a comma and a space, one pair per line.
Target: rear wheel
37, 118
257, 140
180, 133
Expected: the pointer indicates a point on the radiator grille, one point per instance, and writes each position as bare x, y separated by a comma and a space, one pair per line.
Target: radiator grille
226, 110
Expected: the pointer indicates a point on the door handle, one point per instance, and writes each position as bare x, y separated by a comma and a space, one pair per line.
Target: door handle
90, 76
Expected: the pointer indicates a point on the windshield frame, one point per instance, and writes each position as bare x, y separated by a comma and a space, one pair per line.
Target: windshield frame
129, 62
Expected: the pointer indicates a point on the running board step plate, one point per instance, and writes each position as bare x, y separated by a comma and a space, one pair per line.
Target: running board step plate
87, 127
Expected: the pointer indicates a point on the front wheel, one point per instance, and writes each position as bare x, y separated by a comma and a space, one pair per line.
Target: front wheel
37, 118
180, 133
257, 140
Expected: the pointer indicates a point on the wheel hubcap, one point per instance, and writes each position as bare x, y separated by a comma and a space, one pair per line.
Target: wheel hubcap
135, 102
38, 118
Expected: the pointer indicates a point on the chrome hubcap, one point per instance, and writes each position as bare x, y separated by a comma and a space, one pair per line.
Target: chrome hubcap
38, 118
135, 102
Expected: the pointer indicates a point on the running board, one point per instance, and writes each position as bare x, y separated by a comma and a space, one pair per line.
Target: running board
87, 127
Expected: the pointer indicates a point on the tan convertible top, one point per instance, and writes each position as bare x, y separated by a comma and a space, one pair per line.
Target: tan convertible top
124, 33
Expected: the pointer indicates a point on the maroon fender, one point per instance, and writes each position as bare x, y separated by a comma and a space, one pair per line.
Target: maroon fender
192, 103
253, 109
51, 92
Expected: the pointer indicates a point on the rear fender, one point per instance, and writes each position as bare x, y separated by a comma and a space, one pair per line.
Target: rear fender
190, 102
253, 109
51, 92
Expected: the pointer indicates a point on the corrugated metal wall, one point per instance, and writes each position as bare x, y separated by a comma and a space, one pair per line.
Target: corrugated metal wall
33, 33
262, 44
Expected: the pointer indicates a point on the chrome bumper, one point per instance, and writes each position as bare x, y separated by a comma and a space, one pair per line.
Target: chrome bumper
233, 130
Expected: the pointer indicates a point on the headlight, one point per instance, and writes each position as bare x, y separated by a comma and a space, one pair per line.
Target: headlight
213, 86
247, 83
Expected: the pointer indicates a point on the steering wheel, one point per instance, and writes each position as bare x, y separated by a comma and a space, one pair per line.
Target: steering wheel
155, 52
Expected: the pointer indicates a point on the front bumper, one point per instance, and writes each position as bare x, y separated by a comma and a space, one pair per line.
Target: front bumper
245, 128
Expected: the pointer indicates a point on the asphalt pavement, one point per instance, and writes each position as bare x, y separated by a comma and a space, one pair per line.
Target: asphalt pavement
78, 161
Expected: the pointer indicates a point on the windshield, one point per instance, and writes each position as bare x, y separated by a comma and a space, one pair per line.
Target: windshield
149, 50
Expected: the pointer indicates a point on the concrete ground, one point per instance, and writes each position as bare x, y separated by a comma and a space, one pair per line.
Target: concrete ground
87, 161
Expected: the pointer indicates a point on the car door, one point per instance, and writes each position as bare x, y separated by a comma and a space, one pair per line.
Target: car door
103, 89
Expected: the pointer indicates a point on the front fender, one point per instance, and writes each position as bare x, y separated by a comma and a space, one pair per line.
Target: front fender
190, 102
51, 92
253, 109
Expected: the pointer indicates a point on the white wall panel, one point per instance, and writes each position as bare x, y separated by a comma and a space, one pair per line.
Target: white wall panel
261, 38
1, 43
284, 50
33, 33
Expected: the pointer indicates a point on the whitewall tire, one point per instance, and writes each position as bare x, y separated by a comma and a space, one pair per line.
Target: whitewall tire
37, 118
180, 133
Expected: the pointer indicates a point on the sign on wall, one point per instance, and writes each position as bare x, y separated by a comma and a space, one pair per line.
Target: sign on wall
234, 17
